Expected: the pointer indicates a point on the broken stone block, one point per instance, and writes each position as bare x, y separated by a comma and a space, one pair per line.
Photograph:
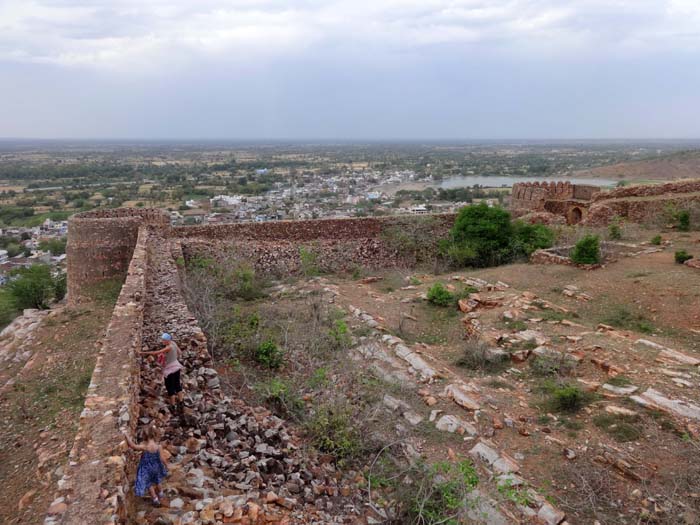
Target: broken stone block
450, 423
677, 407
460, 397
620, 390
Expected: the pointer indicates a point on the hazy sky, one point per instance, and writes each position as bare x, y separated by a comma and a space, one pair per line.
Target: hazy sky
375, 69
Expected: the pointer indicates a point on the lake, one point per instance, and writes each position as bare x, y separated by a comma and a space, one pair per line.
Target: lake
498, 181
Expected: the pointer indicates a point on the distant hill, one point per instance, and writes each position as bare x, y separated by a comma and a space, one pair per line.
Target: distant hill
681, 165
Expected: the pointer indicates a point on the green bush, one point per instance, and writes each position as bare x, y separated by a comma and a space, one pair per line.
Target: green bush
656, 240
340, 334
485, 236
681, 256
440, 493
309, 262
440, 296
332, 430
615, 231
586, 251
568, 398
481, 236
530, 237
683, 218
269, 354
281, 397
55, 246
8, 307
35, 287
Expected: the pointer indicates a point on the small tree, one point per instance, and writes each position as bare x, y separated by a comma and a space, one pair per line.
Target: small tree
586, 251
481, 236
683, 220
34, 287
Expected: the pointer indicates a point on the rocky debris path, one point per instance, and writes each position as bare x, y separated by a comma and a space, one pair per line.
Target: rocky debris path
229, 463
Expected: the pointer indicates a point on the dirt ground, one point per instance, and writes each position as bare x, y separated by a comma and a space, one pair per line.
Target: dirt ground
39, 415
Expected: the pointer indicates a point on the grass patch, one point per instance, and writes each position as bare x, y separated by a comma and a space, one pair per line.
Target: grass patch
565, 397
619, 381
621, 428
621, 317
480, 356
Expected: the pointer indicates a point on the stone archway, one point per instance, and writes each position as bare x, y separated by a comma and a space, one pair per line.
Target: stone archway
575, 215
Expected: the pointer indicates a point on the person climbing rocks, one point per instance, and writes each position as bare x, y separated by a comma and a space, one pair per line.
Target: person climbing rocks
168, 359
152, 469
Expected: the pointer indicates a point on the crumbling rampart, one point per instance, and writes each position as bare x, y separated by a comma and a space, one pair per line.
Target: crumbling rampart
95, 485
557, 198
101, 244
329, 244
645, 203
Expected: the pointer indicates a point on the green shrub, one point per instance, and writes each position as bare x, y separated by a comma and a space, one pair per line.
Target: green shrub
656, 240
281, 397
269, 354
683, 218
55, 246
333, 430
8, 307
586, 251
309, 262
530, 237
440, 492
681, 256
481, 236
340, 334
440, 296
244, 283
34, 287
614, 230
566, 397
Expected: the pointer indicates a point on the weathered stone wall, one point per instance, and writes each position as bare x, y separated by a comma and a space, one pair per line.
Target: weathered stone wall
95, 486
101, 243
650, 190
333, 244
643, 204
347, 229
552, 197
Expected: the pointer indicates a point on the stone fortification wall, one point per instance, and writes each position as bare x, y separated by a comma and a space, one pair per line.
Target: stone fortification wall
95, 486
346, 229
101, 243
644, 204
650, 190
528, 197
331, 244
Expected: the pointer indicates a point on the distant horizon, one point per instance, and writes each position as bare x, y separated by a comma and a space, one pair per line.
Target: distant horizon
317, 140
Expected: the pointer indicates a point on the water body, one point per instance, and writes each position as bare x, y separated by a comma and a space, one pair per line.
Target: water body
467, 181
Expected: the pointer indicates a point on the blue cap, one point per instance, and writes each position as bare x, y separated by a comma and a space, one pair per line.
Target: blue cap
166, 337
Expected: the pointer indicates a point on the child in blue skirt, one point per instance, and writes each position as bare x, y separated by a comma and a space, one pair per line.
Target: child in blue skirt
152, 470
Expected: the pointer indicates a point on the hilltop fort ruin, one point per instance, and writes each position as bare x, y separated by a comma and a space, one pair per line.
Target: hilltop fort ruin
589, 205
140, 246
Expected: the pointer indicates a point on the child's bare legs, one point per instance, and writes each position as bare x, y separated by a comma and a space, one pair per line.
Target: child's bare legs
153, 493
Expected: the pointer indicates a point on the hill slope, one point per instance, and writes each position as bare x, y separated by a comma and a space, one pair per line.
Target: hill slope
682, 165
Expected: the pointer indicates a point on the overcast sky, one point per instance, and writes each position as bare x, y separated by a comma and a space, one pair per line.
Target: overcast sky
352, 69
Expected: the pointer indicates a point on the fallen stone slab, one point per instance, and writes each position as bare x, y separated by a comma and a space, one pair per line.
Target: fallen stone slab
620, 411
461, 397
450, 423
669, 353
677, 407
620, 390
417, 363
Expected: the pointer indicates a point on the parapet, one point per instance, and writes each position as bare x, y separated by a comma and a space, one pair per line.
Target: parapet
101, 244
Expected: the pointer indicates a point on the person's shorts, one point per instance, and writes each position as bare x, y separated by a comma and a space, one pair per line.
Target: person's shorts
172, 383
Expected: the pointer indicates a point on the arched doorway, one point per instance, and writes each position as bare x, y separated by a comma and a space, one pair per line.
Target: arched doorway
575, 215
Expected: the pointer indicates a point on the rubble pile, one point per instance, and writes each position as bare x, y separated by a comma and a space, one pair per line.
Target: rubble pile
228, 462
